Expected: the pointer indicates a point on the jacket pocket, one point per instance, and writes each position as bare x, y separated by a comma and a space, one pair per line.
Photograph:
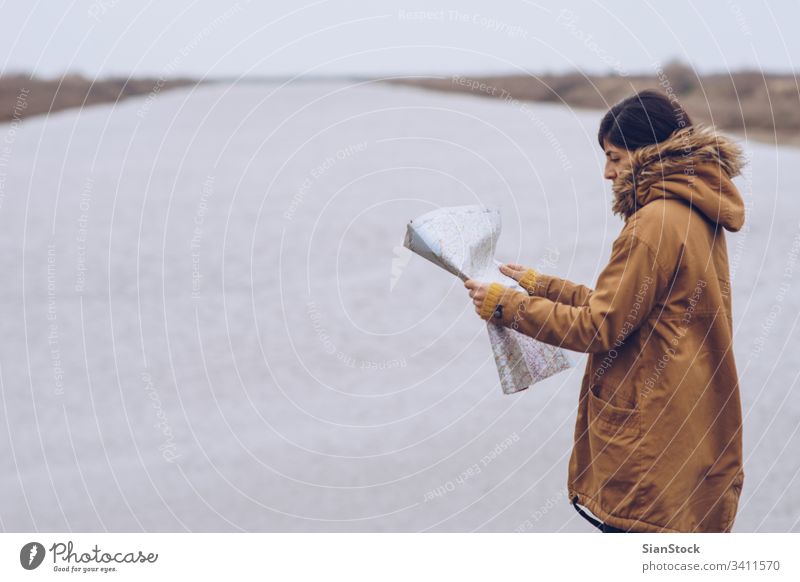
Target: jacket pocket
612, 416
614, 435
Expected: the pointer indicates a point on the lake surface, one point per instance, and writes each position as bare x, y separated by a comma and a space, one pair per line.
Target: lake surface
207, 324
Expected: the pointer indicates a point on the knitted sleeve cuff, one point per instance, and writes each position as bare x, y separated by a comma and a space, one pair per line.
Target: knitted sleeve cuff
493, 295
528, 281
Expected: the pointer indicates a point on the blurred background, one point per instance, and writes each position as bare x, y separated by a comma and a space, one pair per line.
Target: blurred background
209, 322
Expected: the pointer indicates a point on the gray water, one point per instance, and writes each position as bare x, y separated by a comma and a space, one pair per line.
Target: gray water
207, 326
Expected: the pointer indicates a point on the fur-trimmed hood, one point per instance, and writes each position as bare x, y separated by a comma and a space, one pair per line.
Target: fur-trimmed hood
694, 164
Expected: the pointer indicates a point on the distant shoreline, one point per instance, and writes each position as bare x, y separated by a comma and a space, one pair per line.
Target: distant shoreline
766, 105
22, 96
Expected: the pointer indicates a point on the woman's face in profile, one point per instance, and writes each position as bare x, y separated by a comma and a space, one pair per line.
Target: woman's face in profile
617, 159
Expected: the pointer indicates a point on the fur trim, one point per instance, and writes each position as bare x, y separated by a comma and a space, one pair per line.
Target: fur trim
691, 145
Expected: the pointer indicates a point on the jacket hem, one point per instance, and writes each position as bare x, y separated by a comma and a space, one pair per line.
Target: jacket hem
632, 525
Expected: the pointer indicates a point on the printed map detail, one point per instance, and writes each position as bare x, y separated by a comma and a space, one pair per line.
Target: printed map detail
462, 241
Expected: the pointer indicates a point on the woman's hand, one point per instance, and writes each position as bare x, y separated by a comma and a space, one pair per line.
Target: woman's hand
477, 290
513, 270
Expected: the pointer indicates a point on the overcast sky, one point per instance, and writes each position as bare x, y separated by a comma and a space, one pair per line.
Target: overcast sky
378, 37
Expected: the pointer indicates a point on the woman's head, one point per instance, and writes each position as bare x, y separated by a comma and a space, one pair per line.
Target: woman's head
640, 120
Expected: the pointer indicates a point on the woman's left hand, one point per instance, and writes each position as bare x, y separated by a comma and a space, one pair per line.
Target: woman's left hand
477, 291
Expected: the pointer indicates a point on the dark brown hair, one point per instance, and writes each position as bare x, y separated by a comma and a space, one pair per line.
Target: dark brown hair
642, 119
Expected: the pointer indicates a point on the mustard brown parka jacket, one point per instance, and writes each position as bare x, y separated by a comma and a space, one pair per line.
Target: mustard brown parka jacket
658, 435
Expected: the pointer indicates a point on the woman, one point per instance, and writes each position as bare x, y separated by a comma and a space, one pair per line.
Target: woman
658, 436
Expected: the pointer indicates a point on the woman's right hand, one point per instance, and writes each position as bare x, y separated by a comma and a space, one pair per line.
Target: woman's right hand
513, 270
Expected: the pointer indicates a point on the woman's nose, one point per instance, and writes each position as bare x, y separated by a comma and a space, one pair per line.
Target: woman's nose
610, 174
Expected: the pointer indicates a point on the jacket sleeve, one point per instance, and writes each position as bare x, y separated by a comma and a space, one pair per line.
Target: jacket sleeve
554, 288
626, 292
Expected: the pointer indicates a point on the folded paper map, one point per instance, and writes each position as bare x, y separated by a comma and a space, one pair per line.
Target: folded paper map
462, 241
